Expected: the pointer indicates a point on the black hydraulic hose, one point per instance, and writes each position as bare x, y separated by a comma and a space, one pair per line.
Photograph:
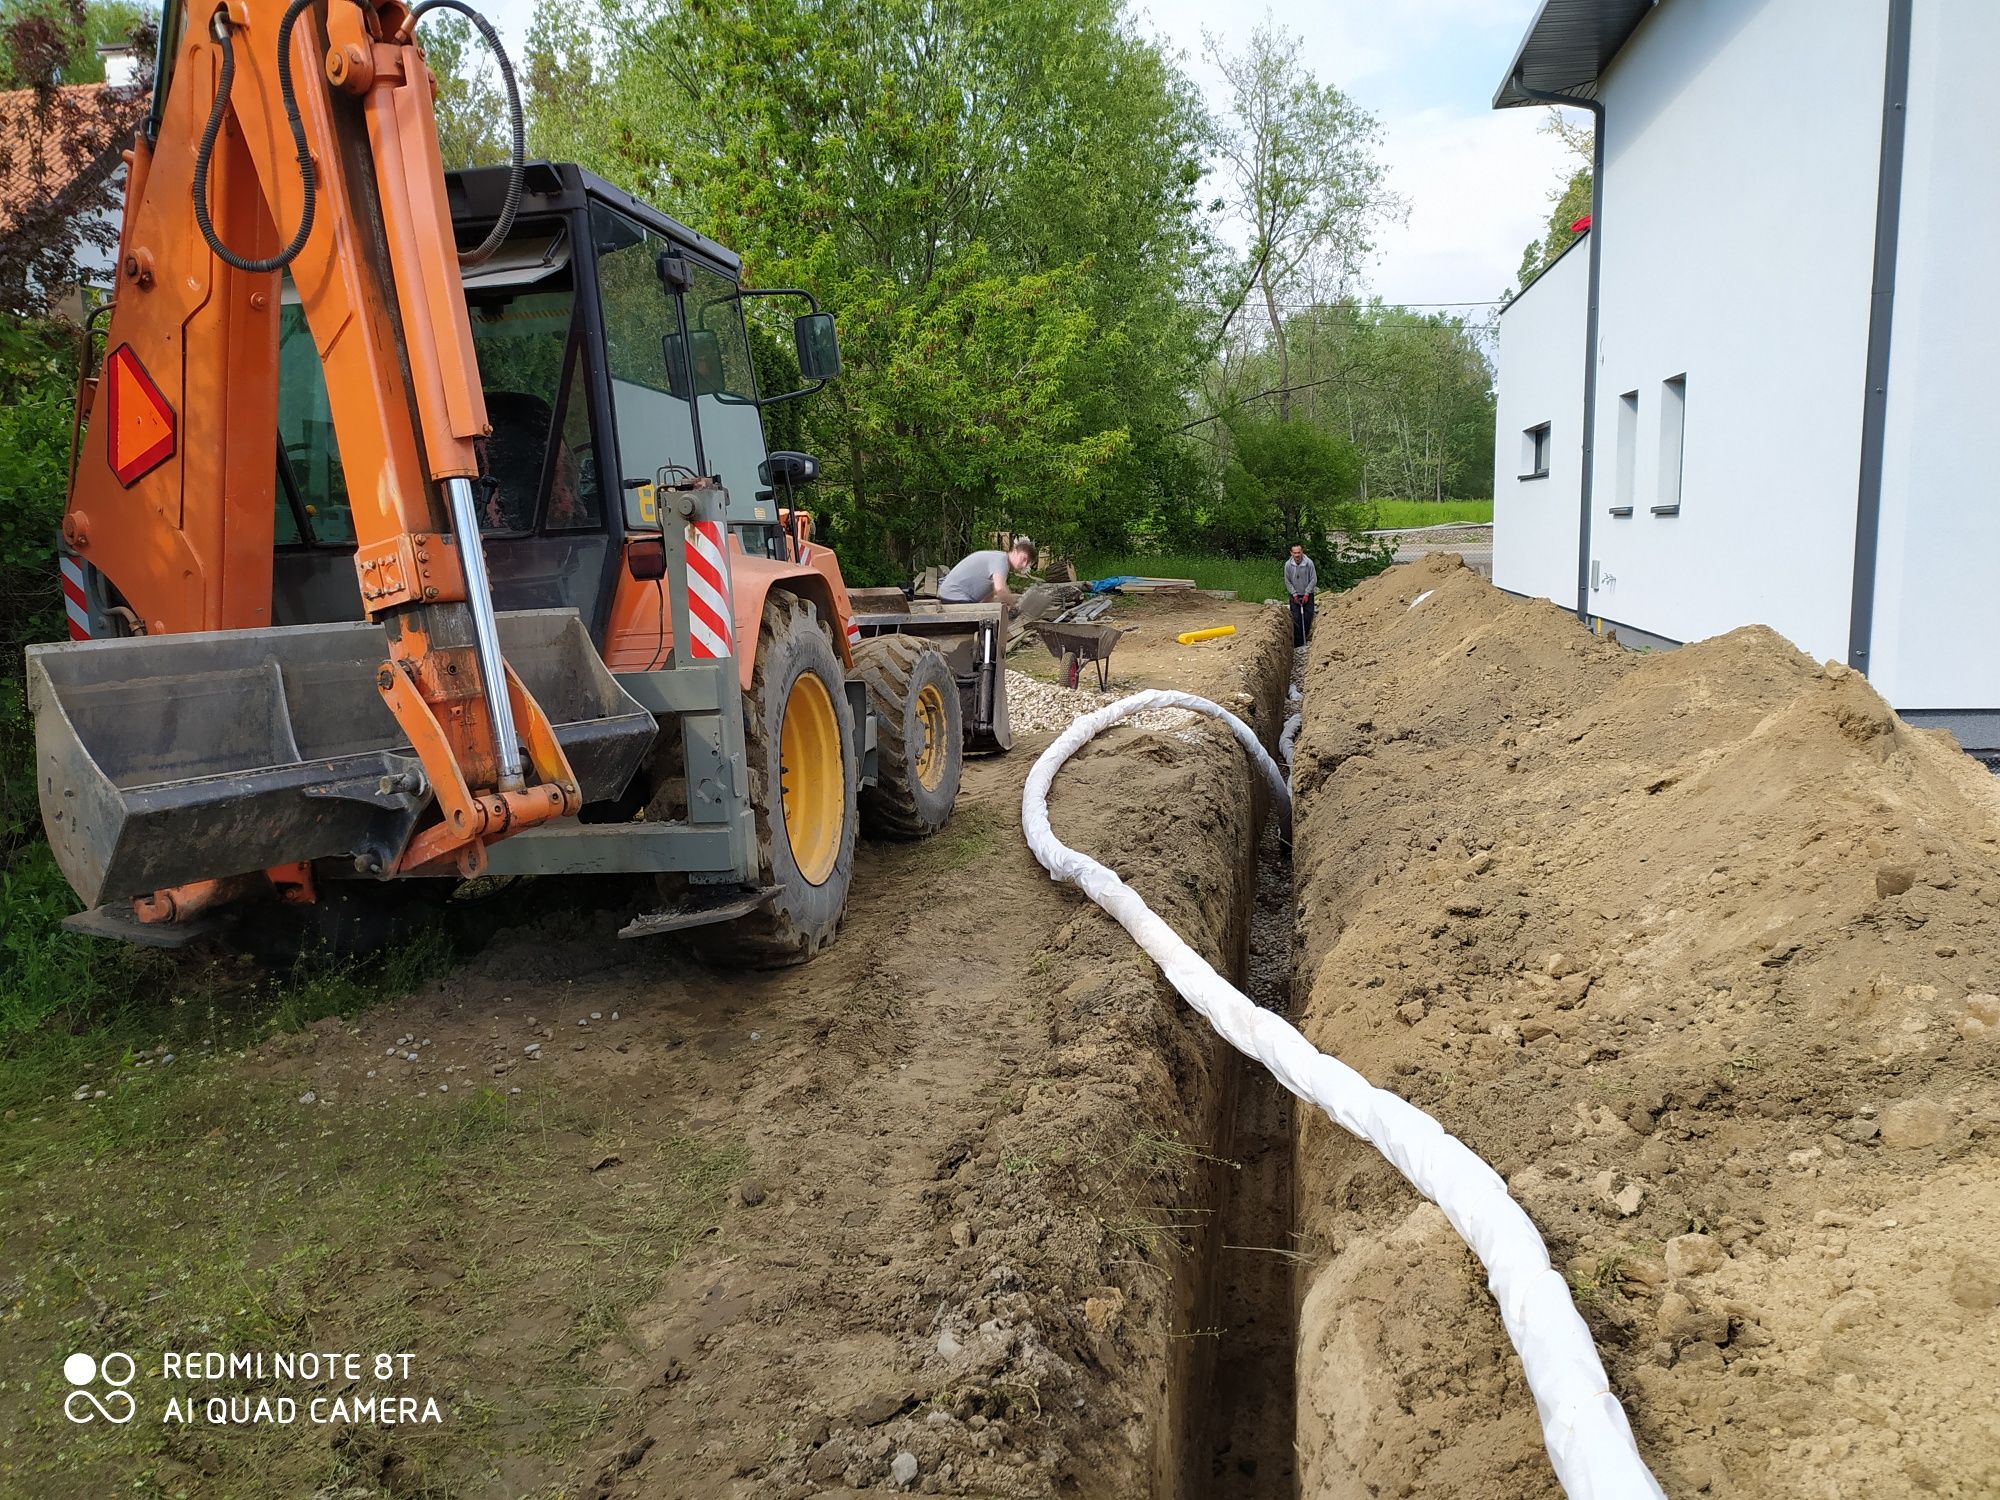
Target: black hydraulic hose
214, 128
517, 166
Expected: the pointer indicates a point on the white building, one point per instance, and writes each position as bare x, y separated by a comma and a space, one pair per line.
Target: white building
1783, 411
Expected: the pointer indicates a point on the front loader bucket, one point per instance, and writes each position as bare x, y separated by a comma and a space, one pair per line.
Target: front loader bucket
163, 760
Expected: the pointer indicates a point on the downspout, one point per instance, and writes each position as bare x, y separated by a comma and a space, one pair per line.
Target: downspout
1881, 321
1596, 231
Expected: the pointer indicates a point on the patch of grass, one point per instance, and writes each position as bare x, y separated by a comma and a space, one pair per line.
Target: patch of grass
320, 985
130, 1001
1413, 513
46, 973
1259, 578
205, 1208
1252, 578
972, 834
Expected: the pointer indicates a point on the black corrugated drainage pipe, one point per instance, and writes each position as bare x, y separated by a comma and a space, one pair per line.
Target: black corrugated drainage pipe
1585, 487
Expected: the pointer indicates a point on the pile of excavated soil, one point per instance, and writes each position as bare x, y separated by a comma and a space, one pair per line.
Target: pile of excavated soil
1699, 950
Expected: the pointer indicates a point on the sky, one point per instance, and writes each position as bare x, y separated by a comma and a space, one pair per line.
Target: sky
1477, 179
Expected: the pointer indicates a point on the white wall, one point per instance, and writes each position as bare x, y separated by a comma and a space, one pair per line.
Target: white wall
1742, 144
1937, 607
1540, 360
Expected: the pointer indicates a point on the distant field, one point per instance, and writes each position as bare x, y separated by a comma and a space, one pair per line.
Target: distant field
1252, 578
1432, 512
1263, 578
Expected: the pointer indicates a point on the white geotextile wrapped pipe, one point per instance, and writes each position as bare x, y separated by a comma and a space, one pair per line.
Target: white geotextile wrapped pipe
1288, 735
1589, 1441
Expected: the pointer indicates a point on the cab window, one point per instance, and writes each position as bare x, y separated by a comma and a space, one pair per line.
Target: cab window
655, 425
305, 438
539, 458
732, 436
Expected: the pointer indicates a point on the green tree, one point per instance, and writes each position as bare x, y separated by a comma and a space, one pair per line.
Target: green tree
61, 150
1289, 481
471, 105
1411, 391
55, 41
1570, 202
996, 197
37, 375
1299, 158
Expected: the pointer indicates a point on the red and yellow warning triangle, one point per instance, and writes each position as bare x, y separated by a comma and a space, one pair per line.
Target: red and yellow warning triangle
140, 424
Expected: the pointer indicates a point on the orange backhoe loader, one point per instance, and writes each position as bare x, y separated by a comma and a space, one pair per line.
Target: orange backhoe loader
422, 525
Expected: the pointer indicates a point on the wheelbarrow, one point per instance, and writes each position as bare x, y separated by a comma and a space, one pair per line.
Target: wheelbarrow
1074, 644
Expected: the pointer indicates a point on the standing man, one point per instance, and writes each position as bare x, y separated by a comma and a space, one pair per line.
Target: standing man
1301, 578
982, 577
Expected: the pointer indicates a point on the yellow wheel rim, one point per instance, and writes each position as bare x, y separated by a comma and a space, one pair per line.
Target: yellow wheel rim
811, 779
933, 725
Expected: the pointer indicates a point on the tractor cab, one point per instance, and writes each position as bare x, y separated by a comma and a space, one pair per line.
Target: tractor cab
616, 356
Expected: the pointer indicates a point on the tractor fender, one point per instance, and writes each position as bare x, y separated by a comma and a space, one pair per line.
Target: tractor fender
753, 578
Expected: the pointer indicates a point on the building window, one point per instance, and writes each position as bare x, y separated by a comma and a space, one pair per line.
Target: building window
1628, 453
1535, 452
1673, 440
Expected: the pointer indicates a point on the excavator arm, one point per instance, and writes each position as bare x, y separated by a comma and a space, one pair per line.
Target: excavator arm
298, 137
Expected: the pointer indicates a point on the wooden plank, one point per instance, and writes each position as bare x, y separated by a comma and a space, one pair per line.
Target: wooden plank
879, 601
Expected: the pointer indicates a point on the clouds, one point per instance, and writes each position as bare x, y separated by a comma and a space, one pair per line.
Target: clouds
1477, 179
1478, 187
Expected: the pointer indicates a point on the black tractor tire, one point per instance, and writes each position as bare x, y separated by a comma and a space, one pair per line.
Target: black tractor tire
795, 656
920, 738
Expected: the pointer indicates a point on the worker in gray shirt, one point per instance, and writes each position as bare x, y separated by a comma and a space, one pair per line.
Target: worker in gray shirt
1301, 579
983, 576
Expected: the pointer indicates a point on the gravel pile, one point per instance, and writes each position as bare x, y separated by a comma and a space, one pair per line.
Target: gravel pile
1036, 707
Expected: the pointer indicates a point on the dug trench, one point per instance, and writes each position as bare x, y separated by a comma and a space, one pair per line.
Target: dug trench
1698, 949
971, 1204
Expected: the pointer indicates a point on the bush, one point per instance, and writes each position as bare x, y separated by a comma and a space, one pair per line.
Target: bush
37, 376
1289, 482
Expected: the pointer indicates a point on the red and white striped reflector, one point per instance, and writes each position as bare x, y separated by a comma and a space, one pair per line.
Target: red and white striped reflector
853, 634
710, 634
75, 604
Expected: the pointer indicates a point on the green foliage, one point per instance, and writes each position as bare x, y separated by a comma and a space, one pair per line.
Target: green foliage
1414, 513
1287, 482
996, 198
1284, 482
37, 374
320, 985
45, 972
76, 31
1299, 160
1569, 202
1572, 202
471, 105
1412, 391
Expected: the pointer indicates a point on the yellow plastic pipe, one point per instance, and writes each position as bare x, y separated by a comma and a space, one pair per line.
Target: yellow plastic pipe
1189, 637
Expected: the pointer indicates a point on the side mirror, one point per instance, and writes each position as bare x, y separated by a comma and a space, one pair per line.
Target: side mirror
706, 350
818, 346
788, 468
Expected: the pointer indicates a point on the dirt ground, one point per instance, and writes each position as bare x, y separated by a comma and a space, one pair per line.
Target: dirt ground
1699, 949
934, 1212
